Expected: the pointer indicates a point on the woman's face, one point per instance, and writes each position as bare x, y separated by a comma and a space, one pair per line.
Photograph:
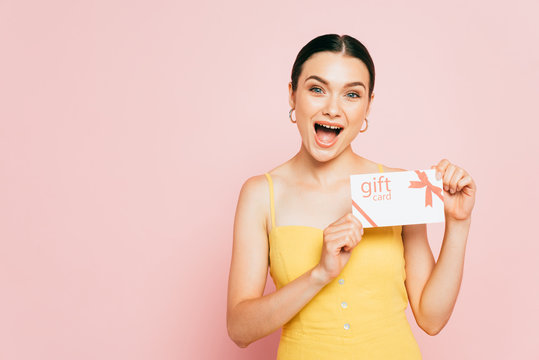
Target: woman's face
332, 90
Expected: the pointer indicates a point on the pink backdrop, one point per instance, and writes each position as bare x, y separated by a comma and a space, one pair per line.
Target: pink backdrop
128, 127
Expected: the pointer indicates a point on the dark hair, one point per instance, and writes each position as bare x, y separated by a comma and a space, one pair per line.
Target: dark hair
334, 43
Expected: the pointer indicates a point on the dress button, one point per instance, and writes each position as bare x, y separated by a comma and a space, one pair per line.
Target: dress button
346, 326
341, 281
344, 305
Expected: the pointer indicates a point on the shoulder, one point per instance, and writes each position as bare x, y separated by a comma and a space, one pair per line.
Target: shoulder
367, 165
255, 187
390, 169
254, 199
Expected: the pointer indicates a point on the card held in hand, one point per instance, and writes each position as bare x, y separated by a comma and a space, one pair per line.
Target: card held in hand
397, 198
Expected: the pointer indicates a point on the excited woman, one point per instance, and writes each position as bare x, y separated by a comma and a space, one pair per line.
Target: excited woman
342, 290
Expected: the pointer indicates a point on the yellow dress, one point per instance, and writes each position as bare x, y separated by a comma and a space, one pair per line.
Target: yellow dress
359, 314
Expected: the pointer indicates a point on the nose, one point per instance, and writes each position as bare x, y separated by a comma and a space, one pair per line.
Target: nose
331, 107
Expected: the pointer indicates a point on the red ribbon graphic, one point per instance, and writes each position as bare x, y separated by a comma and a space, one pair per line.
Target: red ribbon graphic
424, 182
363, 213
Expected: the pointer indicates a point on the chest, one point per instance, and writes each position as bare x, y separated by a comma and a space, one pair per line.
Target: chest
314, 208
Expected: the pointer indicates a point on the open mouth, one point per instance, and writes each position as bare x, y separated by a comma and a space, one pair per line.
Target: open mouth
326, 135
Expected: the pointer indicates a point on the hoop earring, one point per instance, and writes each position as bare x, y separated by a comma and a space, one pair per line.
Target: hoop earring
290, 116
367, 121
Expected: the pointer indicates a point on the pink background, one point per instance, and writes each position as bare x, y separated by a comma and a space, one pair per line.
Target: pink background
128, 127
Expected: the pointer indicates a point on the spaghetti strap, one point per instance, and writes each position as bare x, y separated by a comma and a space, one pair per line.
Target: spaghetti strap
381, 168
271, 200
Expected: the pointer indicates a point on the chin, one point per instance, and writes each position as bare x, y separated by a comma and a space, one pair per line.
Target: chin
324, 155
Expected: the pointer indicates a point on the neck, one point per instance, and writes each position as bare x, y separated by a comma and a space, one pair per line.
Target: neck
325, 173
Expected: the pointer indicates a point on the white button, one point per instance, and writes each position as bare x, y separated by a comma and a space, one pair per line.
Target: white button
344, 305
346, 326
341, 281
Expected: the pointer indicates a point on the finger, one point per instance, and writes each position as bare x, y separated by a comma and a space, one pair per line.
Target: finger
359, 224
437, 173
447, 176
350, 237
467, 185
341, 219
346, 232
334, 246
338, 235
356, 221
351, 217
343, 226
457, 175
349, 246
463, 182
352, 223
354, 240
441, 167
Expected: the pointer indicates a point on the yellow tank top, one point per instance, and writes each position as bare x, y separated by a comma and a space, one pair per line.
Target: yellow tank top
359, 314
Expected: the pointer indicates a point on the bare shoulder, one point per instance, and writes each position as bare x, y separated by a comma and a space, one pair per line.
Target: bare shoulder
254, 197
255, 191
254, 185
390, 169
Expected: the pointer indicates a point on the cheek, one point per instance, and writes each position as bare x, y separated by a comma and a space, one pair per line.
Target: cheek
309, 103
355, 112
355, 107
304, 113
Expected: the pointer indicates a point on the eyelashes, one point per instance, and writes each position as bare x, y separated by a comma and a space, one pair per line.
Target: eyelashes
315, 88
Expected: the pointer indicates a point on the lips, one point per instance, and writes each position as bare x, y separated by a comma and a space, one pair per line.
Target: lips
326, 133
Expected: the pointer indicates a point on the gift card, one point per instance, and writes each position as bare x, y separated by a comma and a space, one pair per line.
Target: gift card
397, 198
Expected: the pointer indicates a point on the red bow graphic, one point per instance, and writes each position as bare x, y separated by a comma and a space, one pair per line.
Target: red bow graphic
424, 181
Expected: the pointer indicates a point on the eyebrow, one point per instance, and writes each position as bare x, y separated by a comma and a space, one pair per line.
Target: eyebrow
325, 81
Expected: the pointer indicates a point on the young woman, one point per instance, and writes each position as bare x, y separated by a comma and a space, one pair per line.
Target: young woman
341, 290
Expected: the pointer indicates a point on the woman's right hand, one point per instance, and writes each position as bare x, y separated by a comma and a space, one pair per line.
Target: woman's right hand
340, 238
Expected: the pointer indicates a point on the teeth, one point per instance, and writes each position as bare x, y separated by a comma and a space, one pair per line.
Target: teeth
329, 127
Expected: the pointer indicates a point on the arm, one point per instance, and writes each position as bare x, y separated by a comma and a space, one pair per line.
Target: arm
433, 287
250, 315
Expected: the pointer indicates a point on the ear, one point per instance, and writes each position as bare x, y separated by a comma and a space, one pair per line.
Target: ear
291, 96
369, 105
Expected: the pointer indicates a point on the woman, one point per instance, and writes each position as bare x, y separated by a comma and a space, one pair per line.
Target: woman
341, 290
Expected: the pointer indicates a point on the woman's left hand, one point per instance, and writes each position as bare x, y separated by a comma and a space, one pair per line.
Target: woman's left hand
459, 190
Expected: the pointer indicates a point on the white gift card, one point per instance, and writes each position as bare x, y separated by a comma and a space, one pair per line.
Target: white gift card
397, 198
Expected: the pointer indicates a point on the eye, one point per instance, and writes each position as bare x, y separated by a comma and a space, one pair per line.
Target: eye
314, 88
354, 95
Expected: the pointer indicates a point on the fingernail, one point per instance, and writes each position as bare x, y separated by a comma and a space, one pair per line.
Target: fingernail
438, 175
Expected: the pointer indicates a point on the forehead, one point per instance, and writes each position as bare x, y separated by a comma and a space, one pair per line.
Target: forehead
335, 67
